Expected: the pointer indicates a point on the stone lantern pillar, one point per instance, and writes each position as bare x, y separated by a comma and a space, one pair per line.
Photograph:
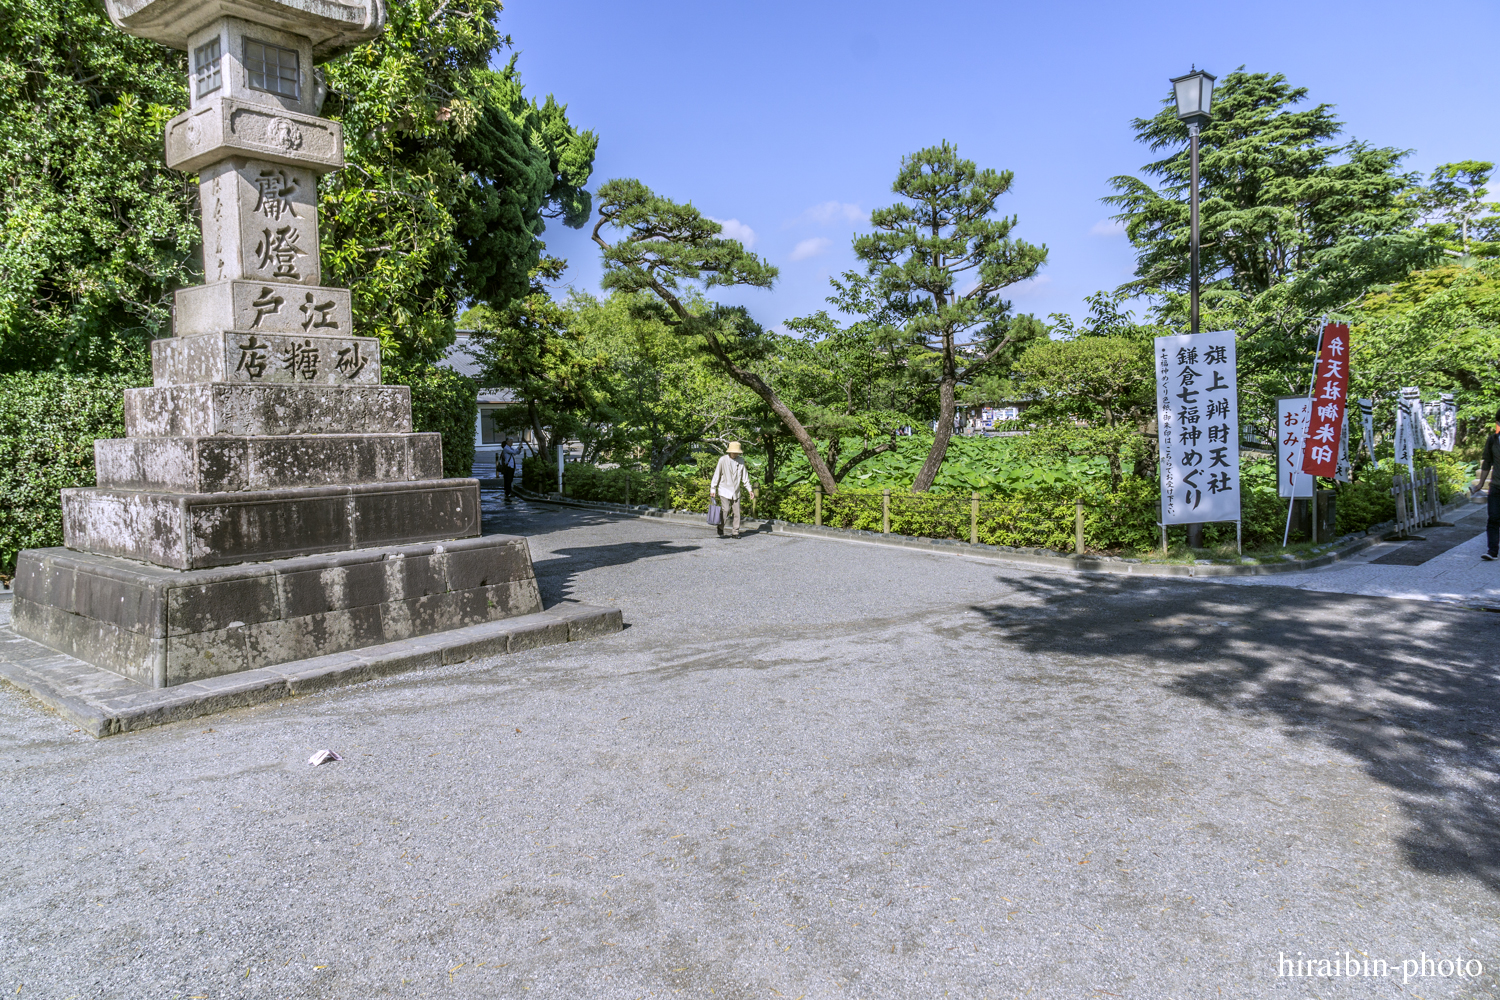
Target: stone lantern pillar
270, 502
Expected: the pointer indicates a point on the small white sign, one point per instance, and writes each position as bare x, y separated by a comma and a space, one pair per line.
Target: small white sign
1292, 416
1198, 427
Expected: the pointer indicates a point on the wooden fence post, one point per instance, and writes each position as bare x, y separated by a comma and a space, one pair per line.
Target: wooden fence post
974, 518
818, 506
885, 512
1078, 526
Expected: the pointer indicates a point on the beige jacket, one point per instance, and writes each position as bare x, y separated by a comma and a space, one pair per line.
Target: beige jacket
728, 475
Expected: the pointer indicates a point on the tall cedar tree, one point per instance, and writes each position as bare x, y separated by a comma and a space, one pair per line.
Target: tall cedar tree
942, 239
1293, 225
672, 250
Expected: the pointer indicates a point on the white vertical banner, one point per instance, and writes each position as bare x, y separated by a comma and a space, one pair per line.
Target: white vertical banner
1293, 414
1345, 473
1367, 426
1198, 427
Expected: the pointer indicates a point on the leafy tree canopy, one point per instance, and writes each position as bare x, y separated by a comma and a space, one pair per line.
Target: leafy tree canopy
1439, 330
452, 174
1293, 224
95, 231
1453, 207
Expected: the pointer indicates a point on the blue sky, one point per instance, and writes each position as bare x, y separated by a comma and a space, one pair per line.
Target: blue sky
791, 118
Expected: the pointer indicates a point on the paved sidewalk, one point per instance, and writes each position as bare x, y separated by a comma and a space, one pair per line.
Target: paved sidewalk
1457, 575
807, 769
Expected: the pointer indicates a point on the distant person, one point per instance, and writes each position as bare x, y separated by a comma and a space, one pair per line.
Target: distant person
1486, 471
728, 475
509, 461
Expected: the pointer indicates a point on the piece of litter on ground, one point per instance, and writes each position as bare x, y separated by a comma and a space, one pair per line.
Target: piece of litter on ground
322, 757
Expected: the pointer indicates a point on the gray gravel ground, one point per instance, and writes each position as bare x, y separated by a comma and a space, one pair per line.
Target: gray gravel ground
808, 769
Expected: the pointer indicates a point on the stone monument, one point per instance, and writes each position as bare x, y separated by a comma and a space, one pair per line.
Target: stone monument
270, 501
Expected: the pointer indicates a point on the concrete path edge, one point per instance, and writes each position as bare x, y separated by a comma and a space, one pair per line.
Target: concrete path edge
105, 704
1348, 545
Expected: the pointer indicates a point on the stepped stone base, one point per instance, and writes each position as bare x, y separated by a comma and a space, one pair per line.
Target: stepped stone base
199, 530
227, 464
160, 627
224, 408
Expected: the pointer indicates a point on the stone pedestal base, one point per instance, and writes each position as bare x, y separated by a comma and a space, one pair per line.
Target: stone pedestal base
199, 530
161, 627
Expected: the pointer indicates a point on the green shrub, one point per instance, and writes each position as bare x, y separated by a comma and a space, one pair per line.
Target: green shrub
446, 402
48, 423
1040, 515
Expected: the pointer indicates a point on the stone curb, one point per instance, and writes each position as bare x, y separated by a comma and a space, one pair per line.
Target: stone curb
1349, 545
102, 703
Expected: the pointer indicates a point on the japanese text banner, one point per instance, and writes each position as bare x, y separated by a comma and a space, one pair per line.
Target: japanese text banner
1329, 400
1198, 427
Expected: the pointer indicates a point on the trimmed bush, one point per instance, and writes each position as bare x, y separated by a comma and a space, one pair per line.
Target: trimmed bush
48, 423
1038, 516
446, 402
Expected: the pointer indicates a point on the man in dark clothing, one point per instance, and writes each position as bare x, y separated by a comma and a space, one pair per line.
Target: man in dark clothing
1486, 468
509, 458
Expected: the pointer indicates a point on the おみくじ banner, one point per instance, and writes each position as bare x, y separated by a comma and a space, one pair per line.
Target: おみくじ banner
1198, 427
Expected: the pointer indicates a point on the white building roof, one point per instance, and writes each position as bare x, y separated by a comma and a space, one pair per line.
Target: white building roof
460, 358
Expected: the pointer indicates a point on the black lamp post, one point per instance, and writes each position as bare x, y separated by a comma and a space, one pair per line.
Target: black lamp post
1195, 95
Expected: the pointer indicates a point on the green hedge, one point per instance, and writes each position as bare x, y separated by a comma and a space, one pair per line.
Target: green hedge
1120, 520
48, 423
446, 402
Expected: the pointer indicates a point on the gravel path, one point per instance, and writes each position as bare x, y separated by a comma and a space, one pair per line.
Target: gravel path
807, 769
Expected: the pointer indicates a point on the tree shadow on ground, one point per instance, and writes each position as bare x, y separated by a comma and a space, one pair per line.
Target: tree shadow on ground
1410, 688
556, 573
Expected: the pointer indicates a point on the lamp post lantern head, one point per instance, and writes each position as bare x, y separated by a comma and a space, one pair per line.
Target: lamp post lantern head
1195, 95
332, 26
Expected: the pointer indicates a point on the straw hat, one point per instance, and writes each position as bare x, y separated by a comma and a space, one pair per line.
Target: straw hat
734, 448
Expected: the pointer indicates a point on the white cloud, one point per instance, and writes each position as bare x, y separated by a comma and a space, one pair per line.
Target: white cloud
1107, 227
836, 211
1030, 286
734, 229
810, 248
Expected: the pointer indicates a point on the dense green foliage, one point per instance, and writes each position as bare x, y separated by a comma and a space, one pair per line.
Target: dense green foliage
48, 423
452, 174
445, 402
95, 231
1438, 329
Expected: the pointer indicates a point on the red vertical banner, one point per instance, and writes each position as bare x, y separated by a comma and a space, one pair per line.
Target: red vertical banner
1329, 400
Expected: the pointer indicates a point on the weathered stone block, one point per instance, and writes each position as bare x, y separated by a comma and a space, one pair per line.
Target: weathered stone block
263, 307
330, 26
219, 129
261, 409
164, 627
260, 222
538, 634
251, 358
231, 464
196, 530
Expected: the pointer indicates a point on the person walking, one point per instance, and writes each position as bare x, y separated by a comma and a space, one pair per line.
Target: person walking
1486, 471
510, 460
728, 475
